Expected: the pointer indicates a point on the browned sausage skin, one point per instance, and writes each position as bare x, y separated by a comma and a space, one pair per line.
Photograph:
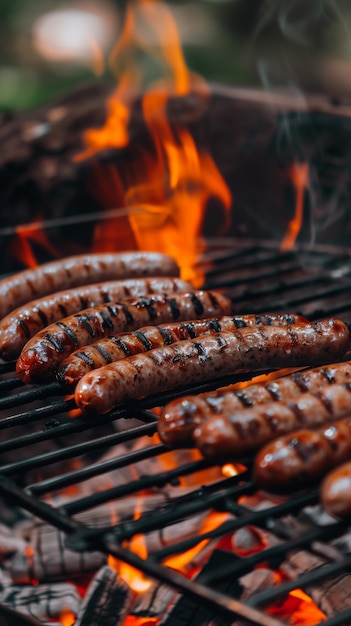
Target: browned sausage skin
78, 270
109, 350
180, 417
335, 492
41, 356
244, 432
207, 358
18, 327
303, 457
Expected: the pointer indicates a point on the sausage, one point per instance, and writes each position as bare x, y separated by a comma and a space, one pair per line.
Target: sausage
23, 323
207, 358
108, 350
242, 433
335, 492
78, 270
180, 417
41, 356
302, 457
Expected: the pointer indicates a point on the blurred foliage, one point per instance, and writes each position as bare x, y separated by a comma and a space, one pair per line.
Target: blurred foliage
235, 42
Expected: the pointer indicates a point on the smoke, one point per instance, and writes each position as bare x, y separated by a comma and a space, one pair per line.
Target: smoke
300, 21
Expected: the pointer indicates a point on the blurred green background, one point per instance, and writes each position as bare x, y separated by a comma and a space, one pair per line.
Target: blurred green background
49, 46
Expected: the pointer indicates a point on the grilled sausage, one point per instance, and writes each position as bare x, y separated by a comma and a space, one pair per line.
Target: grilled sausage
23, 323
242, 433
43, 353
304, 456
73, 271
112, 349
180, 417
206, 358
335, 492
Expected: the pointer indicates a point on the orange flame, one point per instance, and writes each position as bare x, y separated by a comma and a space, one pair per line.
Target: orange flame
166, 192
67, 618
300, 180
26, 235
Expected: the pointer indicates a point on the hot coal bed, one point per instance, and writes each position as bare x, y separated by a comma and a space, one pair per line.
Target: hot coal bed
83, 498
82, 482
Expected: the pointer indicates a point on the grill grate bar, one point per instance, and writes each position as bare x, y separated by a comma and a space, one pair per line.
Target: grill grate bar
273, 555
10, 383
30, 395
38, 413
70, 452
222, 604
96, 469
144, 482
324, 572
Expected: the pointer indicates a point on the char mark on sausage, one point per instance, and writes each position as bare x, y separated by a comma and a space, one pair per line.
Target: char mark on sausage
39, 359
112, 349
207, 358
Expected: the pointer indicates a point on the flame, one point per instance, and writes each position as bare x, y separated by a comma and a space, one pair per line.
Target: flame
21, 246
229, 469
67, 618
166, 190
298, 609
300, 179
97, 58
132, 576
183, 562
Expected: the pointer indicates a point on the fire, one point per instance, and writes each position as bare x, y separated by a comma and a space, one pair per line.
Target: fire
133, 577
183, 562
67, 618
166, 189
298, 609
22, 244
300, 179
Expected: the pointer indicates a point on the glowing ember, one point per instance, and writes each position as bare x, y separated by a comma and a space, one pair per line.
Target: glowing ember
229, 469
166, 192
67, 618
298, 610
300, 180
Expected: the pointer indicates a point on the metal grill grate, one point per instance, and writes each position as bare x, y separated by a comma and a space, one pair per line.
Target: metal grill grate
258, 278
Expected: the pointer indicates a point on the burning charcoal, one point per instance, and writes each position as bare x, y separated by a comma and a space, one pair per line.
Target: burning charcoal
42, 601
10, 542
154, 602
107, 600
331, 596
46, 557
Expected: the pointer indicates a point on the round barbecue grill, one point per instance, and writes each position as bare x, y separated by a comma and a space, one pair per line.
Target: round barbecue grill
258, 277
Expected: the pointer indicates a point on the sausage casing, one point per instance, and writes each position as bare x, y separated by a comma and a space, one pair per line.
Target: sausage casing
43, 353
19, 326
78, 270
180, 417
303, 457
108, 350
335, 492
207, 358
244, 432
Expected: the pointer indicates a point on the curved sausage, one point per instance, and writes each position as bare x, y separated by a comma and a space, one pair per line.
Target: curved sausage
108, 350
180, 417
208, 358
41, 356
244, 432
78, 270
303, 457
18, 327
335, 492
